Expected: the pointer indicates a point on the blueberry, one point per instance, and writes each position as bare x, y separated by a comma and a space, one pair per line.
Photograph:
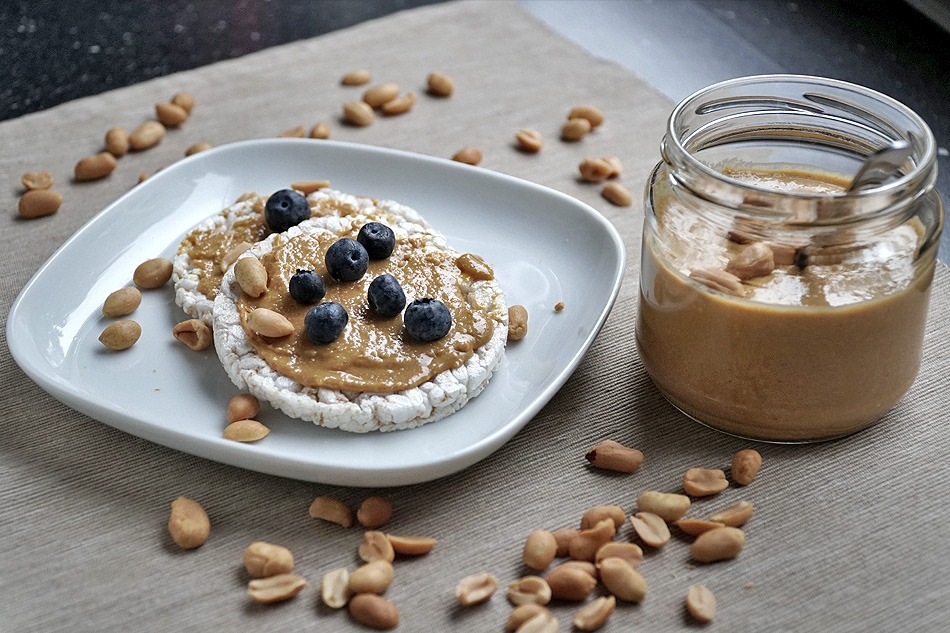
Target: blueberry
346, 260
427, 320
284, 209
325, 321
307, 287
385, 296
378, 240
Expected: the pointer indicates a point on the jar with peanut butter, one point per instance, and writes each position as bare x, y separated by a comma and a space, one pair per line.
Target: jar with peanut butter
777, 302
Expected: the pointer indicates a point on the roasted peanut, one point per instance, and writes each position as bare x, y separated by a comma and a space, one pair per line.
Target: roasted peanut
400, 105
233, 254
468, 155
701, 603
184, 100
754, 260
374, 577
320, 130
120, 335
719, 544
298, 131
782, 254
266, 322
735, 515
332, 510
669, 507
611, 455
245, 431
262, 560
539, 549
197, 148
704, 482
517, 322
188, 523
622, 580
617, 194
593, 616
306, 187
356, 78
575, 129
412, 545
380, 94
37, 203
718, 280
94, 167
251, 276
170, 115
570, 583
529, 140
594, 169
152, 273
33, 180
275, 588
695, 527
374, 611
563, 537
357, 113
374, 512
541, 623
522, 613
585, 545
147, 135
651, 529
616, 167
475, 589
589, 112
745, 466
629, 552
595, 515
243, 406
529, 589
376, 546
440, 85
334, 588
122, 302
194, 333
585, 566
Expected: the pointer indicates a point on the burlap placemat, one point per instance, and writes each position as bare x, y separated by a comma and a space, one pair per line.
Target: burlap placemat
847, 536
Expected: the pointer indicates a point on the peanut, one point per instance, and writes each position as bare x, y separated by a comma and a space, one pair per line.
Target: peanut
563, 537
540, 549
440, 85
374, 611
517, 322
194, 333
475, 589
735, 515
37, 203
233, 254
754, 260
117, 141
669, 507
651, 529
616, 167
170, 115
704, 482
585, 566
718, 280
585, 545
530, 589
412, 545
529, 141
783, 254
695, 527
294, 132
120, 335
522, 613
719, 544
400, 105
357, 113
629, 552
152, 273
594, 169
307, 187
332, 510
468, 155
143, 177
617, 194
622, 580
320, 130
122, 302
745, 466
32, 180
334, 588
94, 167
356, 78
593, 616
589, 112
575, 129
262, 560
611, 455
245, 431
197, 148
243, 406
376, 546
542, 623
595, 515
380, 94
374, 577
374, 512
184, 100
147, 135
188, 523
570, 583
265, 322
251, 276
275, 588
701, 603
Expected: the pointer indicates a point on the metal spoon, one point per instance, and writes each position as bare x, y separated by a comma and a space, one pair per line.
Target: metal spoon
881, 165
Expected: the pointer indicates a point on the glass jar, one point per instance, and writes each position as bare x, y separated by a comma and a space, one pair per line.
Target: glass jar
775, 304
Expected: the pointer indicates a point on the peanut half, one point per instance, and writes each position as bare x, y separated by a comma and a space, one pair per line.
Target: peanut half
629, 552
374, 512
719, 544
376, 546
243, 406
184, 100
334, 588
400, 105
245, 431
622, 580
374, 577
194, 333
266, 322
540, 548
38, 203
593, 616
616, 167
529, 141
528, 590
570, 582
595, 515
275, 588
563, 537
617, 194
440, 85
701, 603
197, 148
298, 131
754, 260
121, 335
380, 94
153, 273
332, 510
374, 611
251, 276
468, 155
475, 589
735, 515
357, 113
541, 623
262, 560
575, 129
704, 482
668, 506
320, 130
584, 546
695, 527
745, 466
412, 545
147, 135
170, 114
611, 455
32, 180
589, 112
122, 302
517, 322
651, 529
718, 280
594, 169
188, 523
356, 78
522, 613
94, 167
233, 254
307, 187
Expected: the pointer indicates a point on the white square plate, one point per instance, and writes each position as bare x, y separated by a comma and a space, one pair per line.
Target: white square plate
545, 247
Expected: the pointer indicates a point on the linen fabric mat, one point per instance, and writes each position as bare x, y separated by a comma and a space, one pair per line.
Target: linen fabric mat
847, 535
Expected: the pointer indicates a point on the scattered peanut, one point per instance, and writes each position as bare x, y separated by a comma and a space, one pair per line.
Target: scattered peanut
701, 603
651, 529
529, 589
593, 616
275, 588
120, 335
374, 512
307, 187
184, 100
541, 623
575, 129
718, 280
745, 466
233, 254
540, 549
332, 510
617, 194
380, 94
374, 611
194, 333
440, 85
695, 527
475, 589
262, 560
754, 260
170, 115
522, 613
122, 302
357, 113
735, 515
399, 105
38, 203
704, 482
152, 273
594, 169
468, 155
245, 431
33, 180
412, 545
334, 588
147, 135
585, 566
517, 322
266, 322
585, 545
629, 552
616, 167
243, 406
197, 148
94, 167
669, 507
719, 544
298, 131
356, 78
320, 130
611, 455
376, 546
529, 141
570, 583
782, 254
595, 515
374, 577
589, 112
559, 306
563, 537
622, 580
188, 523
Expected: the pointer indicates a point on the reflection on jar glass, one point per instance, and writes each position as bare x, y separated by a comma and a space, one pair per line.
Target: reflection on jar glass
776, 304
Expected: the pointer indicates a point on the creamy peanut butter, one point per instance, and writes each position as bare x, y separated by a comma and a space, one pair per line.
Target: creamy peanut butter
372, 354
803, 353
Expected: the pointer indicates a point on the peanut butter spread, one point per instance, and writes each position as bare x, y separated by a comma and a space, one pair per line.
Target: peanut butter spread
372, 354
